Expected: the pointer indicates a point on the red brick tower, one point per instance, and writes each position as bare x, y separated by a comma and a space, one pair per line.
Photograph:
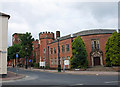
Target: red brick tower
45, 39
36, 50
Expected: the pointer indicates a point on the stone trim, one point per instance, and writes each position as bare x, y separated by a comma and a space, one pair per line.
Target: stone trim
96, 54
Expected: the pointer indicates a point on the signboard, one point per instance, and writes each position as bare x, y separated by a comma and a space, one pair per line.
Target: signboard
16, 55
30, 60
42, 63
67, 62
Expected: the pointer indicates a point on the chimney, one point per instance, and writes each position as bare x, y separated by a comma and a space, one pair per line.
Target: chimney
57, 34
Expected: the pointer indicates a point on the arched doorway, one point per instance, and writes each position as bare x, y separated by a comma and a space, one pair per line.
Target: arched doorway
96, 58
96, 61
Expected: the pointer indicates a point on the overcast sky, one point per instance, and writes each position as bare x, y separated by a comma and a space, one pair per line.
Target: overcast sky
69, 17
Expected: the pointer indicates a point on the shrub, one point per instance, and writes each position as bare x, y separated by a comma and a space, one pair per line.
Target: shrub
112, 50
79, 58
36, 65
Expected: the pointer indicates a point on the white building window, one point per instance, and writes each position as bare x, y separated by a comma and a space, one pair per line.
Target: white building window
54, 50
55, 61
51, 50
68, 57
44, 50
95, 44
51, 61
49, 41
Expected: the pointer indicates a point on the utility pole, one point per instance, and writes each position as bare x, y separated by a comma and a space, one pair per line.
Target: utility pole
63, 64
16, 63
59, 66
26, 58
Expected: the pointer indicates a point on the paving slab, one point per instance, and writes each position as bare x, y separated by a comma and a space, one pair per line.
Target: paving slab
12, 76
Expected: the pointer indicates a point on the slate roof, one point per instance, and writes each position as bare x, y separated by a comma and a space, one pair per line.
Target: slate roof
94, 31
87, 32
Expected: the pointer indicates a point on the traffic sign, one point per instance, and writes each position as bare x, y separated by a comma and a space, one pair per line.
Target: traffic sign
30, 60
67, 62
16, 55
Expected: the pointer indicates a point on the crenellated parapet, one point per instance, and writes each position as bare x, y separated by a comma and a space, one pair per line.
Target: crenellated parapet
46, 35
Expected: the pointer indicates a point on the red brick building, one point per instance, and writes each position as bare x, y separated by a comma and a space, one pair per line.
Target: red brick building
36, 50
47, 50
15, 38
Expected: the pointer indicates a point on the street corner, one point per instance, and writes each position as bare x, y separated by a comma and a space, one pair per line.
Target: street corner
13, 76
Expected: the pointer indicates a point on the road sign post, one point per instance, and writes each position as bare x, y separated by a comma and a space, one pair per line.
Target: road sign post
63, 64
16, 62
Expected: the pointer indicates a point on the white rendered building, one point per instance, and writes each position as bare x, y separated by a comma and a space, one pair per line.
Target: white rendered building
3, 43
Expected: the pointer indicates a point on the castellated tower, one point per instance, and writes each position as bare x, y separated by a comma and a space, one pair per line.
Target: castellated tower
45, 38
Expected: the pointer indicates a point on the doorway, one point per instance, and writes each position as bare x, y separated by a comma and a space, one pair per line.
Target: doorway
96, 61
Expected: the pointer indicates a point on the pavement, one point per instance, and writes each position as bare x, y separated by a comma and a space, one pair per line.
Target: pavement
76, 72
12, 76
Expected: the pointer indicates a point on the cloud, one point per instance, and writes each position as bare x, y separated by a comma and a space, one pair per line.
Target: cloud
69, 17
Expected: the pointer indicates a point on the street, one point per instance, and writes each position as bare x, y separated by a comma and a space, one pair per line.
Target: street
47, 78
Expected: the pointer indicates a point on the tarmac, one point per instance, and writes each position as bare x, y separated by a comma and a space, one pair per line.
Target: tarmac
14, 76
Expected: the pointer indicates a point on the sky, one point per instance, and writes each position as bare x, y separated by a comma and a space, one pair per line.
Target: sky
68, 17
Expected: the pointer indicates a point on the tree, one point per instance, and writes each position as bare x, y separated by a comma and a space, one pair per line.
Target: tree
13, 50
26, 44
79, 54
112, 50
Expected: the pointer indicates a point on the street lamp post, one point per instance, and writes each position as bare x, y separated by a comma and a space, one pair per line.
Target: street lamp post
26, 58
59, 66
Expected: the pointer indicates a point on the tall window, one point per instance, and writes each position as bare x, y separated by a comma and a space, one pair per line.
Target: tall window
54, 50
44, 50
58, 49
98, 44
49, 41
95, 44
55, 61
51, 61
51, 51
63, 48
68, 57
67, 47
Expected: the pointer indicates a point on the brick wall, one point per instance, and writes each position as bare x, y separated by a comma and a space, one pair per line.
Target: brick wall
65, 54
102, 39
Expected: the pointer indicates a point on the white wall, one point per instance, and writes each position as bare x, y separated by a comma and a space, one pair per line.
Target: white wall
3, 44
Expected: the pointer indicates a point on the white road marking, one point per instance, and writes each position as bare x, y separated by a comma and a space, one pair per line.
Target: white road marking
113, 82
78, 84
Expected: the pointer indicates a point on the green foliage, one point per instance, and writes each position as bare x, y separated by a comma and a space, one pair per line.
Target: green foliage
79, 58
13, 50
47, 67
26, 44
112, 50
36, 65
